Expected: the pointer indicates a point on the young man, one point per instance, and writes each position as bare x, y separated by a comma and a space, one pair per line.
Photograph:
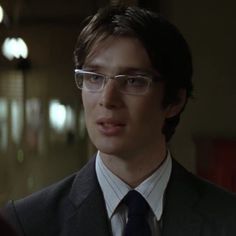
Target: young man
134, 69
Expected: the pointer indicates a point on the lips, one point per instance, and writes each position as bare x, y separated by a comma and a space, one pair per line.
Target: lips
110, 127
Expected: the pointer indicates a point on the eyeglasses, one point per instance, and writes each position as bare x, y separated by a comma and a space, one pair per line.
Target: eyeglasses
126, 84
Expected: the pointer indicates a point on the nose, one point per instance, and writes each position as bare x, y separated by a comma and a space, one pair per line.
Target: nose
110, 97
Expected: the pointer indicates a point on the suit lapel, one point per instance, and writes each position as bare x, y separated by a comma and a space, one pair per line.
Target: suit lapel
88, 215
180, 217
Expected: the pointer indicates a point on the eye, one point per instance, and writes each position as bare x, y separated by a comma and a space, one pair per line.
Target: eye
94, 78
136, 81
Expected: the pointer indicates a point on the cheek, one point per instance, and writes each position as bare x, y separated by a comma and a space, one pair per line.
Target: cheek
149, 114
89, 107
89, 101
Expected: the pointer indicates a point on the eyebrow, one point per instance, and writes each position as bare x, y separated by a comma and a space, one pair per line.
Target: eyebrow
124, 70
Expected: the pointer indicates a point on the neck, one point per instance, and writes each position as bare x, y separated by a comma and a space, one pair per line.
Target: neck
133, 170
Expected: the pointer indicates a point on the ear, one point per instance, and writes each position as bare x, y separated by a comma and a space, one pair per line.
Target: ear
175, 108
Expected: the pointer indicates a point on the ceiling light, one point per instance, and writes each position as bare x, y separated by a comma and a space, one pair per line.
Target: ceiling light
1, 14
14, 48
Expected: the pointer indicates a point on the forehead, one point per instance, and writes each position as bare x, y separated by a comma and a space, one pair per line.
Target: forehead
118, 53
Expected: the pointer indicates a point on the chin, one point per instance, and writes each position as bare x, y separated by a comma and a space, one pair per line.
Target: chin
108, 151
110, 148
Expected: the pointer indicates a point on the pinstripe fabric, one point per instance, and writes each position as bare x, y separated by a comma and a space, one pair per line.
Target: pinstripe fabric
114, 189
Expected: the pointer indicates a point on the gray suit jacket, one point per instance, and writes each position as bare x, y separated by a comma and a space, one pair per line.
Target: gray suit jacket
75, 207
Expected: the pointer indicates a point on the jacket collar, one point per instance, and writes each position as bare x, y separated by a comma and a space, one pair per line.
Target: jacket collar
180, 216
88, 215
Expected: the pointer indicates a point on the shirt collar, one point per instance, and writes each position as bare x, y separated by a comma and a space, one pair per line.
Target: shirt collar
152, 189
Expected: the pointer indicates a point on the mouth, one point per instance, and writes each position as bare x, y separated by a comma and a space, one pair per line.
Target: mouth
110, 127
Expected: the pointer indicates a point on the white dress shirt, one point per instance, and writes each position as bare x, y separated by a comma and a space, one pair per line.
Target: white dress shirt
114, 190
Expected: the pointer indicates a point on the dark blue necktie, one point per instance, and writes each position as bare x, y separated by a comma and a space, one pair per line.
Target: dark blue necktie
138, 209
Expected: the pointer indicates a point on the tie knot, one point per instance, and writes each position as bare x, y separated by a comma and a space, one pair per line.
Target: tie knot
136, 203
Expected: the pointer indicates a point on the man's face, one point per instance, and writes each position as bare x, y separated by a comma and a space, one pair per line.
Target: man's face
121, 124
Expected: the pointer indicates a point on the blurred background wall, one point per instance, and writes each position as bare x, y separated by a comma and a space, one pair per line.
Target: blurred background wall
42, 133
205, 141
